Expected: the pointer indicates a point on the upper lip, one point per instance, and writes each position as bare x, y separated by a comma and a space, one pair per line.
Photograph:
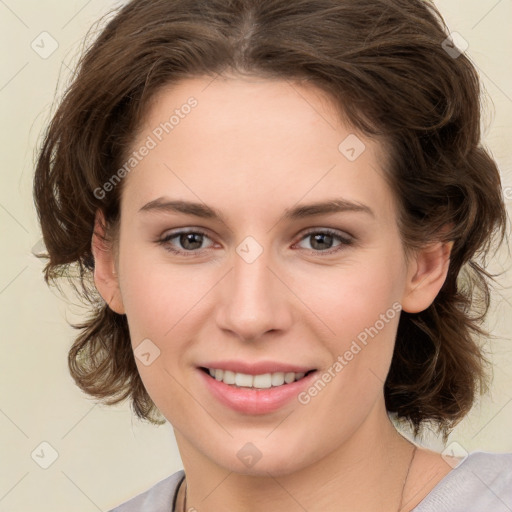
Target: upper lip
256, 368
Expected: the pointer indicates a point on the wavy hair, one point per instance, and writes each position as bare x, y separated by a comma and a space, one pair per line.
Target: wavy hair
389, 72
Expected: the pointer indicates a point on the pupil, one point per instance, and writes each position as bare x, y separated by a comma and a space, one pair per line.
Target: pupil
323, 238
187, 238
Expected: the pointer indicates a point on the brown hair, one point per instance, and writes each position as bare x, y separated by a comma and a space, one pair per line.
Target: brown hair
384, 64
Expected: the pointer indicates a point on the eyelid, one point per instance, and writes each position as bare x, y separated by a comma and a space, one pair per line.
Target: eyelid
343, 235
187, 229
166, 238
345, 240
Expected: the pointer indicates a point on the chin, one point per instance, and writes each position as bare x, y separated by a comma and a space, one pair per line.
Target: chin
261, 458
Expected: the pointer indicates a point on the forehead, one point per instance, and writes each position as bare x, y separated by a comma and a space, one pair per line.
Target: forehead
235, 140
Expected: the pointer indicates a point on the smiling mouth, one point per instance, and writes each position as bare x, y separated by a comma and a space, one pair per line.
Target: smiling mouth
261, 381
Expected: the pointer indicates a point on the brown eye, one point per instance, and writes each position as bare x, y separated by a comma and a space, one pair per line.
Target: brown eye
327, 241
184, 242
190, 241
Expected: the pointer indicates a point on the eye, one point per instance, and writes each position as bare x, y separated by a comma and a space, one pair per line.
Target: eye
189, 242
321, 241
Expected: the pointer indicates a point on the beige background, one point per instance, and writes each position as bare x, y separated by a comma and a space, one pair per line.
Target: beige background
105, 455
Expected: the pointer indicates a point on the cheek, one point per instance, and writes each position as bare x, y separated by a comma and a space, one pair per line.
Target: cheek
159, 303
156, 294
361, 353
353, 298
360, 306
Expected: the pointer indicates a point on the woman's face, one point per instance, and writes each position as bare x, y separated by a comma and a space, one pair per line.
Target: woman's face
264, 282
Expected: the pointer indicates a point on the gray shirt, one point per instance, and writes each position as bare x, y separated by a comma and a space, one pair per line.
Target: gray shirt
480, 483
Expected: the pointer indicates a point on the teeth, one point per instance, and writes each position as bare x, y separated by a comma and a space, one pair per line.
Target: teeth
229, 377
289, 377
243, 380
263, 381
277, 379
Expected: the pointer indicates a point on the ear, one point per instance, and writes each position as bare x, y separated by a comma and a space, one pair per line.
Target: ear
426, 275
105, 273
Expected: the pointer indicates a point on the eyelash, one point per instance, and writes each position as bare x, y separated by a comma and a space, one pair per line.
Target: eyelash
344, 241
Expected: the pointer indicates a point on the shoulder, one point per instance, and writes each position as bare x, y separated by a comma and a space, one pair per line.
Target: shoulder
481, 481
157, 498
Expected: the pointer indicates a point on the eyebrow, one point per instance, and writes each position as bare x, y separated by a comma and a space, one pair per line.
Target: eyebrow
330, 206
337, 205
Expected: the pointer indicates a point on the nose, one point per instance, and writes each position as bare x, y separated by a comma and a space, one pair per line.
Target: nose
254, 299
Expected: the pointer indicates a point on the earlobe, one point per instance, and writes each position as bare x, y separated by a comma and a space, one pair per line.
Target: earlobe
426, 276
105, 274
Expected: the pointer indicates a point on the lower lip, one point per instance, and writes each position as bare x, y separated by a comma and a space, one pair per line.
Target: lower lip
252, 400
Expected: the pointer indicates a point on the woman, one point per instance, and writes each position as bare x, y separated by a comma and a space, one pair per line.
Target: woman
271, 206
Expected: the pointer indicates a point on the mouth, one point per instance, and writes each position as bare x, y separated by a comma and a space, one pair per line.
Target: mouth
260, 381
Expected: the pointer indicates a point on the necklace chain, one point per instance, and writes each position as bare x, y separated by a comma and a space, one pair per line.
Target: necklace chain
406, 478
401, 495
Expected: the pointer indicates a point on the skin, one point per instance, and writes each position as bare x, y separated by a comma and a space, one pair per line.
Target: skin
251, 149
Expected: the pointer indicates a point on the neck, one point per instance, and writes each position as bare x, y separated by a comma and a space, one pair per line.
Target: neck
366, 472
